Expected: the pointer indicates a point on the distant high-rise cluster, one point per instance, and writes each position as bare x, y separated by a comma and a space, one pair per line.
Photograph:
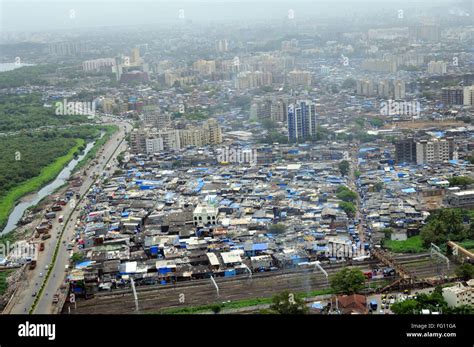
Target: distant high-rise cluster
379, 65
67, 48
425, 32
205, 67
98, 64
389, 89
437, 67
249, 80
131, 68
155, 140
222, 46
299, 78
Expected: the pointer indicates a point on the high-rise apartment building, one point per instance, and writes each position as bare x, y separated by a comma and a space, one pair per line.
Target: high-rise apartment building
205, 67
398, 90
425, 32
379, 65
365, 87
301, 120
299, 78
405, 151
434, 151
424, 151
437, 67
248, 80
156, 119
452, 96
222, 46
468, 96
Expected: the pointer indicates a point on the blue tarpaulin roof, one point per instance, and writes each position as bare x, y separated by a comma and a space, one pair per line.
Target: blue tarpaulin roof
367, 149
199, 185
259, 246
83, 264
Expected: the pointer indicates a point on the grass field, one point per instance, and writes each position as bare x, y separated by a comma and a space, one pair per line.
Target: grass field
468, 244
237, 304
413, 244
48, 173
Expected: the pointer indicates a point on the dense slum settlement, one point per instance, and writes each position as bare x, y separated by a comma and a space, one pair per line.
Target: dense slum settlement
161, 222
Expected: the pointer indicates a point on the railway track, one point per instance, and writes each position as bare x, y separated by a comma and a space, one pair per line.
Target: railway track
202, 292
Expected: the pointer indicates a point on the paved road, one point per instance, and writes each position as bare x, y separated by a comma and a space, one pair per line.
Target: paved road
25, 296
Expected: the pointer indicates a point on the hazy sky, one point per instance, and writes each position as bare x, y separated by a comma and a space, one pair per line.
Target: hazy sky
37, 15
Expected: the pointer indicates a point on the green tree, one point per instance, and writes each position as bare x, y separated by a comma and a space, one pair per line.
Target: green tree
77, 257
433, 302
460, 181
345, 194
465, 271
216, 308
278, 228
406, 307
348, 281
433, 232
288, 303
344, 167
446, 224
349, 83
463, 309
348, 208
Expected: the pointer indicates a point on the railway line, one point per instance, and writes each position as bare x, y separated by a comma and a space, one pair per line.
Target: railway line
201, 292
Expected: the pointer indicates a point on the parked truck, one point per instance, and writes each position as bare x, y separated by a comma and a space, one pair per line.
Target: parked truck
32, 265
50, 215
42, 228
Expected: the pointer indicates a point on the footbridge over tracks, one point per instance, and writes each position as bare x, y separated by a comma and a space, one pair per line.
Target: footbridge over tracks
461, 254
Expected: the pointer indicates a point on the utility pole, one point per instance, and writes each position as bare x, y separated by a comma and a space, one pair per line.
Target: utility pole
248, 270
215, 285
318, 266
135, 297
435, 251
